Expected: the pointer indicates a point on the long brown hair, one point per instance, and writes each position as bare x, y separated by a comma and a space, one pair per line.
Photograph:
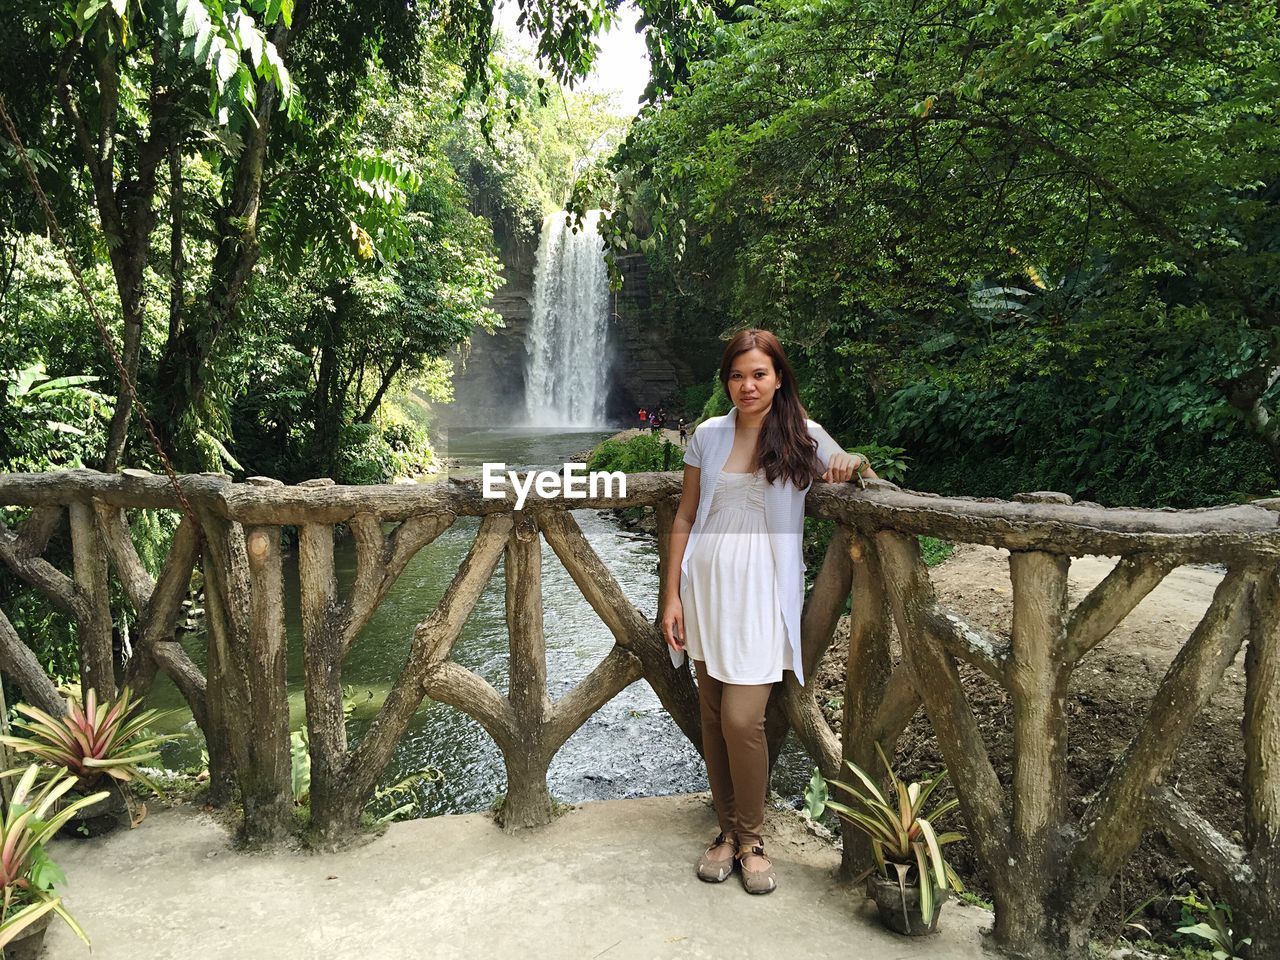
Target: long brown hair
784, 447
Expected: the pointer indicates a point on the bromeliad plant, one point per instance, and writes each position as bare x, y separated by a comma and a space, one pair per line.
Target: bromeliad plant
27, 874
903, 838
92, 741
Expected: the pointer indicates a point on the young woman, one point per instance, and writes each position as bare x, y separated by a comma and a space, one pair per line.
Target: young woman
734, 606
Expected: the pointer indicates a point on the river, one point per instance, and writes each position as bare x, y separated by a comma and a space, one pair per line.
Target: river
629, 748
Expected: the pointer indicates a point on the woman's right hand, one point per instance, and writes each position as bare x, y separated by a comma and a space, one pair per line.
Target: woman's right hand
673, 624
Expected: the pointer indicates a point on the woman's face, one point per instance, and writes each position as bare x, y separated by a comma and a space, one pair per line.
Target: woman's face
753, 381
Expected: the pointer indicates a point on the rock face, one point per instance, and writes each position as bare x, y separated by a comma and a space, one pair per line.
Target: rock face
651, 367
647, 368
489, 375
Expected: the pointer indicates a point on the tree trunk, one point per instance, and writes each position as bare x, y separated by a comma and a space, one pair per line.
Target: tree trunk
326, 402
19, 663
182, 370
383, 386
177, 274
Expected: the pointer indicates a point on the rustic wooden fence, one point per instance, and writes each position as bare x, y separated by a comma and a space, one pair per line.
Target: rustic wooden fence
1048, 869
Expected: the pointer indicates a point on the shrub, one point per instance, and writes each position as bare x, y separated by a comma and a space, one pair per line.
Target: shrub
646, 453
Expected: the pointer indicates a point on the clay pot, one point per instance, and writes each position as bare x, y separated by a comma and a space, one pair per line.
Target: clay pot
901, 913
28, 944
98, 818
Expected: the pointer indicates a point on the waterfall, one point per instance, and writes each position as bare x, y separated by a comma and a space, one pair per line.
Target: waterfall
567, 371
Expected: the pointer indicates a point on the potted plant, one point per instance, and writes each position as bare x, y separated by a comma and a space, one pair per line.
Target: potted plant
912, 878
27, 875
99, 745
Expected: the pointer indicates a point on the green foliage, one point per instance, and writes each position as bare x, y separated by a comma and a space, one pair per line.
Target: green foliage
644, 453
223, 40
27, 874
1211, 922
692, 400
92, 741
315, 164
364, 456
905, 194
45, 629
370, 455
903, 838
300, 766
815, 795
152, 532
973, 900
400, 800
527, 148
50, 422
718, 403
935, 551
888, 462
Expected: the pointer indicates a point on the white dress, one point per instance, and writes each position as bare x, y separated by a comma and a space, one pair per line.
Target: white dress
732, 613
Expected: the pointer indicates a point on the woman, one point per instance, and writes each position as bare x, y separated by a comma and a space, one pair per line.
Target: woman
734, 606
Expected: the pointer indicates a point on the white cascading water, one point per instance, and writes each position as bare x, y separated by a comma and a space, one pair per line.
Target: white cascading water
567, 371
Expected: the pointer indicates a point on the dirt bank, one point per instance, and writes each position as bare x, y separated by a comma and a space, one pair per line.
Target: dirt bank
1111, 691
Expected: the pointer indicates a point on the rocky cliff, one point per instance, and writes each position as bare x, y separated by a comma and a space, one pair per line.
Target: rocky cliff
645, 367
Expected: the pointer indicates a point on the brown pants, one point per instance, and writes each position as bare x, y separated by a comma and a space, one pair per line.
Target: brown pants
737, 753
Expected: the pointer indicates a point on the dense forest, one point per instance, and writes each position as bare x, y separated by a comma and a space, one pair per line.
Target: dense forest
278, 213
1033, 245
1030, 245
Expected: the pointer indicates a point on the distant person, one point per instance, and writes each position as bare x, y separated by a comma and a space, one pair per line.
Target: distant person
653, 422
733, 603
684, 431
644, 416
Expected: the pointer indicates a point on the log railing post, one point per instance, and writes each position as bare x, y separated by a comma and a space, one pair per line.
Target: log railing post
867, 670
246, 692
1037, 676
267, 787
937, 679
792, 706
1262, 770
225, 702
322, 672
528, 802
97, 663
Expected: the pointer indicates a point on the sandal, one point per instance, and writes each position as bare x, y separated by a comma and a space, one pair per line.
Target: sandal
713, 870
756, 881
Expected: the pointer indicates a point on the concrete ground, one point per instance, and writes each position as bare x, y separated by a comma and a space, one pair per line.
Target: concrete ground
609, 880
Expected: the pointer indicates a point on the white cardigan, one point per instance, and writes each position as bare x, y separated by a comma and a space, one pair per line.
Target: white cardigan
709, 449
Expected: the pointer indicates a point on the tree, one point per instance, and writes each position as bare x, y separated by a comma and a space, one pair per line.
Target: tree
849, 173
146, 91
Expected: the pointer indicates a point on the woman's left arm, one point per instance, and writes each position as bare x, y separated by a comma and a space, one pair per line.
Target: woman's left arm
840, 465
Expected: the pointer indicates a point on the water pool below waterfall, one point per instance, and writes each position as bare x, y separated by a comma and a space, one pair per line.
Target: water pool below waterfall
629, 748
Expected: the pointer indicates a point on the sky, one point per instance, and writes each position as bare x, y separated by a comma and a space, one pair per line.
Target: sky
623, 65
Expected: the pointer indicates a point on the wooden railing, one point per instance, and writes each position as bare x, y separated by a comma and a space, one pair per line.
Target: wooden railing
1048, 870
